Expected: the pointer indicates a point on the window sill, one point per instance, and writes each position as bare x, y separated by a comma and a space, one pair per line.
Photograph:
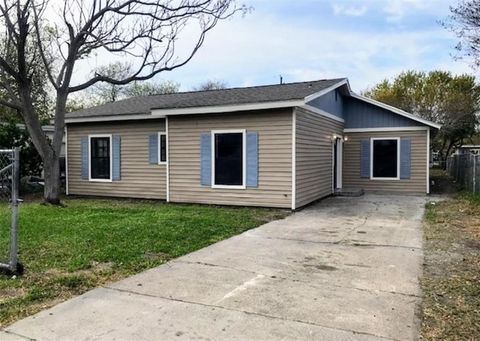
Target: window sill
384, 179
99, 180
228, 187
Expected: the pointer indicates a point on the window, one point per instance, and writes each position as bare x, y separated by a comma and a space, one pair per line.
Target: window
385, 159
229, 159
162, 147
100, 158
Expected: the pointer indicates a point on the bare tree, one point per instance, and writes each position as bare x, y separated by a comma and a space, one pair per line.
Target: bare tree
145, 32
464, 21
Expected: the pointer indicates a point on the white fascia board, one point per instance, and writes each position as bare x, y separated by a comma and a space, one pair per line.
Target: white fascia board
369, 130
322, 113
110, 118
226, 108
395, 110
327, 90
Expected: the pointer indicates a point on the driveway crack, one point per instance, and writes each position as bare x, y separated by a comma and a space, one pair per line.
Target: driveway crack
273, 317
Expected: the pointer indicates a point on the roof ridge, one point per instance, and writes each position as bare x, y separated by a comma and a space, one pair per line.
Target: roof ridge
246, 87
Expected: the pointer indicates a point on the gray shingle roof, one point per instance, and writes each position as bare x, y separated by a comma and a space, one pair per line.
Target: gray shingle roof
255, 94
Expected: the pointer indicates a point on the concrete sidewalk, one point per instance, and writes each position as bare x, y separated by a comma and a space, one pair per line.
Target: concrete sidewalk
343, 269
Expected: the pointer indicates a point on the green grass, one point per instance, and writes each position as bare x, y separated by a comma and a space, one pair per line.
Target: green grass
68, 250
451, 280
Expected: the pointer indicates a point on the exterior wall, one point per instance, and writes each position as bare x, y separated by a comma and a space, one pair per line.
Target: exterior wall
360, 114
139, 179
314, 155
332, 102
274, 129
419, 161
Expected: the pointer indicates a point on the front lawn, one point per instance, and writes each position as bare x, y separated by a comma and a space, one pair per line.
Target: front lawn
451, 279
68, 250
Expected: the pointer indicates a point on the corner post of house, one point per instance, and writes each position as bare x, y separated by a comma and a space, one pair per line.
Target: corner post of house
167, 166
66, 159
294, 158
428, 160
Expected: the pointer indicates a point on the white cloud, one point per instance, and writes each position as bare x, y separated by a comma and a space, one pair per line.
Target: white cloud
396, 10
254, 51
351, 11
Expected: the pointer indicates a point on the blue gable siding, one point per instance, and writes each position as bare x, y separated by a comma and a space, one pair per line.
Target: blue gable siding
359, 114
331, 102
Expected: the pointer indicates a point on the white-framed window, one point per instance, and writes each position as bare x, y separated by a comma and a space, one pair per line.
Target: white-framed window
162, 148
100, 157
229, 159
385, 158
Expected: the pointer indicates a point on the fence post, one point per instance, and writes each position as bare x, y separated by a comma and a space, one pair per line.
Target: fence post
15, 199
474, 172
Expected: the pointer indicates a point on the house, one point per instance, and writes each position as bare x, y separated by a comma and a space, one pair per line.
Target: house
468, 149
280, 145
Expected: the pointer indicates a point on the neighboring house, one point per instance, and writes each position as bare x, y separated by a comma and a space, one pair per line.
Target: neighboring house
278, 146
468, 149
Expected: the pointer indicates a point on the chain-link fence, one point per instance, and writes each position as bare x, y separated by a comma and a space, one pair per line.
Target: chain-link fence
465, 169
9, 186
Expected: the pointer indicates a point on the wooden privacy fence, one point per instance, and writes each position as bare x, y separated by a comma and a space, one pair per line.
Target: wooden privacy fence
465, 169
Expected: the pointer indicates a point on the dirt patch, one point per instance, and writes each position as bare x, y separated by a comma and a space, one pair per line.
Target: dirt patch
451, 279
441, 183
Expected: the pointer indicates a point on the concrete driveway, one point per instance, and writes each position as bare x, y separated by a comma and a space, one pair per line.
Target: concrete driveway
343, 269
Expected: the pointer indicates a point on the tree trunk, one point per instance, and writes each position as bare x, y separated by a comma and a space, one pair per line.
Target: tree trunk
52, 187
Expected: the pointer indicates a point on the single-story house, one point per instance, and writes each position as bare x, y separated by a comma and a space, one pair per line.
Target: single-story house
283, 145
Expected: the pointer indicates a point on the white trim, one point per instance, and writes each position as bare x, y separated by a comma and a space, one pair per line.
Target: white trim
294, 159
159, 145
333, 166
66, 160
168, 162
428, 161
327, 90
244, 157
339, 162
90, 156
395, 110
226, 108
321, 112
371, 130
372, 156
110, 118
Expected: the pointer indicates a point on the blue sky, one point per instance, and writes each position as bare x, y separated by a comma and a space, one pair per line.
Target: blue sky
302, 40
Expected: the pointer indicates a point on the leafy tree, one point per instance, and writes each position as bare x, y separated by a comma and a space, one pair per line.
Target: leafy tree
146, 33
151, 88
438, 96
465, 23
211, 85
14, 135
107, 92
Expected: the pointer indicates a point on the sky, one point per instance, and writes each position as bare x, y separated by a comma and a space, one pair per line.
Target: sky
301, 40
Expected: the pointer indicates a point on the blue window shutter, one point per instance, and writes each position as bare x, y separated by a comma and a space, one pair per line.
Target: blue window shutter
252, 159
206, 159
365, 159
153, 149
84, 157
116, 159
405, 156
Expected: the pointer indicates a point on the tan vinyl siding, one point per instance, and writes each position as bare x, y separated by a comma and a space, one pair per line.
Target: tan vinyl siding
139, 179
274, 129
314, 155
351, 163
